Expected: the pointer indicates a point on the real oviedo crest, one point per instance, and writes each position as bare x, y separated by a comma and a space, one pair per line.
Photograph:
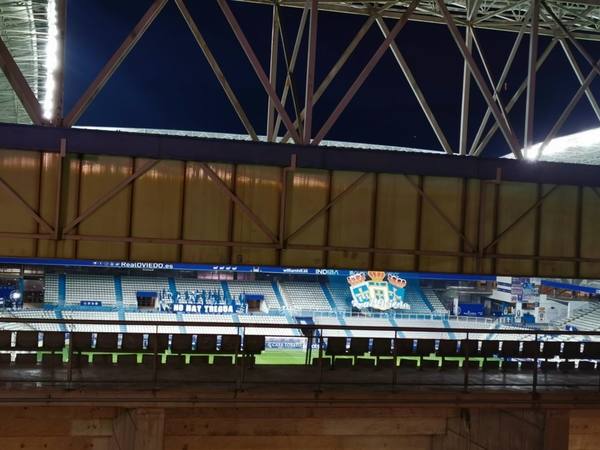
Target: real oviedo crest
377, 293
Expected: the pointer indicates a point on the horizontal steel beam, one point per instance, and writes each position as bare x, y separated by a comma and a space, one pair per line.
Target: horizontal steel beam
276, 245
97, 142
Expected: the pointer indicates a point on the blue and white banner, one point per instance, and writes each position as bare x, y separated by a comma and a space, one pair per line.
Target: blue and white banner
5, 292
229, 268
196, 308
289, 343
471, 309
523, 290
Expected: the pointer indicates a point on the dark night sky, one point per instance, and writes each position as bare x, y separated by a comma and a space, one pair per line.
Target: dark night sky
166, 82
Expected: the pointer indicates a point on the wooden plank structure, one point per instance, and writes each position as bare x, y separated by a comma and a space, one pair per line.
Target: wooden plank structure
279, 426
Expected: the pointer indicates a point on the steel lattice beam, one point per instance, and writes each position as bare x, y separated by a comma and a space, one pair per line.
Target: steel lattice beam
502, 15
567, 22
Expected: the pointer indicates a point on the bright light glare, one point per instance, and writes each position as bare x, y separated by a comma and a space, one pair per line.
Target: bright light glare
584, 139
52, 61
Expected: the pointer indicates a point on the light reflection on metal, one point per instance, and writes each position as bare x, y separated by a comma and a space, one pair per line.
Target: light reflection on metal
52, 61
96, 168
257, 181
310, 181
19, 162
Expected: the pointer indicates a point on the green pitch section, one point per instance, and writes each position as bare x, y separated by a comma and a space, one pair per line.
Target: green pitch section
299, 356
279, 357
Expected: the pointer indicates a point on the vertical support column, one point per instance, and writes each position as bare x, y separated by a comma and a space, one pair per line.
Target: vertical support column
537, 229
466, 87
139, 429
374, 209
38, 202
273, 73
232, 214
494, 249
182, 213
328, 220
480, 228
63, 166
310, 72
578, 231
283, 204
464, 106
131, 209
531, 76
419, 218
463, 222
512, 429
556, 429
466, 366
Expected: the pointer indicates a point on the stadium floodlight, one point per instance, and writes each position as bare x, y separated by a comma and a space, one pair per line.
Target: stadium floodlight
52, 61
577, 147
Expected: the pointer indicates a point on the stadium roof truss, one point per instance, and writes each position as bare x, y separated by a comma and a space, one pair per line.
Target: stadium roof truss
32, 55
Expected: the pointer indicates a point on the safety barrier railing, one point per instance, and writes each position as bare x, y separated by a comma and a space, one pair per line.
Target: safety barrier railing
367, 314
453, 357
473, 319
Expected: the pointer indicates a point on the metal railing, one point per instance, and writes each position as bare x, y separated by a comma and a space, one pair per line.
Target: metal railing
315, 369
367, 314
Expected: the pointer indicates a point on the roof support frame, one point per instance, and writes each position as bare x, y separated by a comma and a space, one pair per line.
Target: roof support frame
511, 103
290, 67
465, 97
489, 76
531, 75
238, 201
335, 69
351, 187
214, 65
472, 8
507, 131
20, 200
518, 220
273, 66
579, 74
358, 82
260, 73
104, 199
310, 72
567, 110
421, 191
501, 81
437, 129
113, 63
20, 85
